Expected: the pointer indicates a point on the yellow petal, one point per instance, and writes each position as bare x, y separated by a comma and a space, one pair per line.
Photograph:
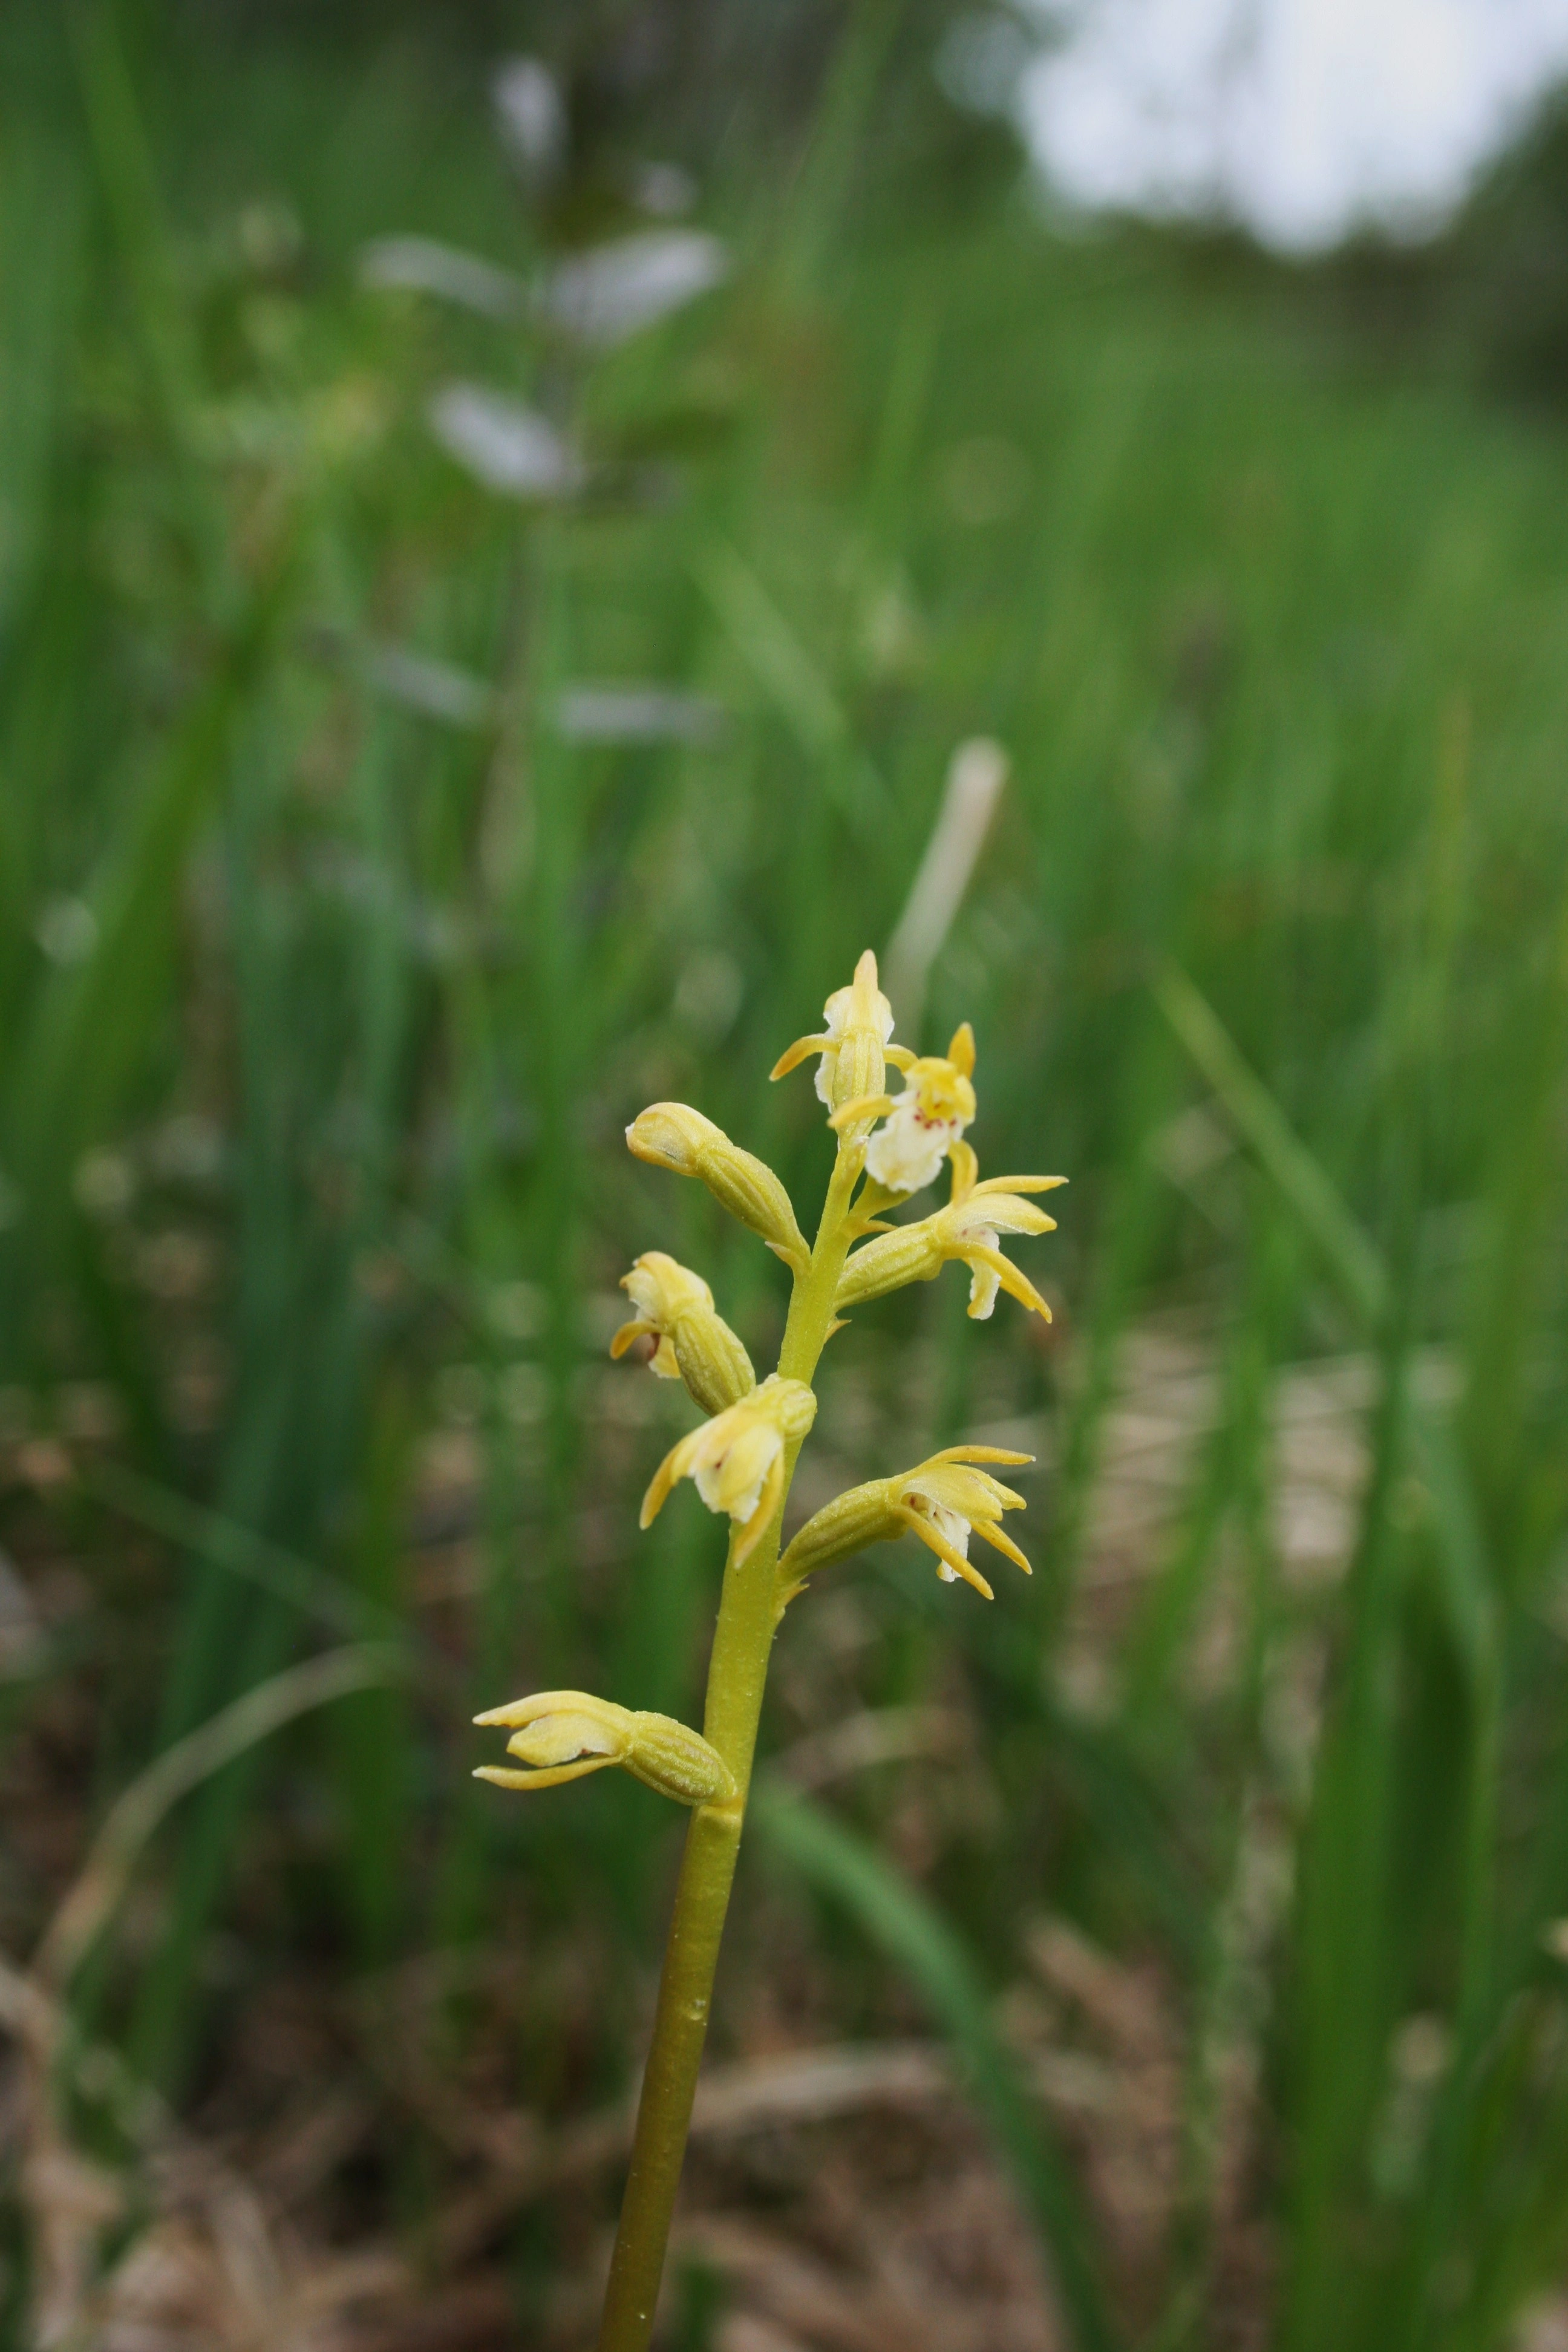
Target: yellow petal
1009, 1215
1000, 1540
961, 1052
551, 1740
1006, 1273
676, 1465
975, 1454
528, 1710
794, 1055
934, 1540
1020, 1184
849, 1114
550, 1777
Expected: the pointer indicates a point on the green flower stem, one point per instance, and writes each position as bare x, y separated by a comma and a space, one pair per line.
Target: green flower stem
737, 1678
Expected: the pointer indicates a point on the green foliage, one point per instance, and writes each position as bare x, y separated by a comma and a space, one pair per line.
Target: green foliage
337, 995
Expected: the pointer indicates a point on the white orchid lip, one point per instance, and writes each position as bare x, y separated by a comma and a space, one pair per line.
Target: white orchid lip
924, 1123
984, 1282
956, 1529
906, 1154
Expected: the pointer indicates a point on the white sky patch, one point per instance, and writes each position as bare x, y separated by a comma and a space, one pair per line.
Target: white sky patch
1302, 118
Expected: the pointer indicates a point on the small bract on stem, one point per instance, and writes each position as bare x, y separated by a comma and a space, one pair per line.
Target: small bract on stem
742, 1458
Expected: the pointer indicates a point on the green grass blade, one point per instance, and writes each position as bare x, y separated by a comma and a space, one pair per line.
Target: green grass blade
932, 1956
794, 685
1259, 1119
313, 1592
90, 1023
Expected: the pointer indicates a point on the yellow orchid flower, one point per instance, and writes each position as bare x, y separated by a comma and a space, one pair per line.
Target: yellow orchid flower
942, 1501
737, 1459
855, 1049
924, 1123
695, 1344
969, 1228
561, 1735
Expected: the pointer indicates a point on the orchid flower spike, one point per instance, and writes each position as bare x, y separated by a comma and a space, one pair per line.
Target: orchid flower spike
696, 1345
855, 1049
737, 1459
942, 1501
922, 1123
741, 1459
969, 1228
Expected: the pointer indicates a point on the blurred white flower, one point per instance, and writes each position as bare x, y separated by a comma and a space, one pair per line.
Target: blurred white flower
505, 446
603, 296
530, 115
436, 688
709, 993
421, 265
269, 237
636, 714
664, 190
521, 1310
67, 930
104, 1184
187, 1149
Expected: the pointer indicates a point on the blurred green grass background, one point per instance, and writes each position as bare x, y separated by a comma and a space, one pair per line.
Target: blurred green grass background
329, 981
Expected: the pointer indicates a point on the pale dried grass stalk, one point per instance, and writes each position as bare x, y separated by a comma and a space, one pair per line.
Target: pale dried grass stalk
975, 776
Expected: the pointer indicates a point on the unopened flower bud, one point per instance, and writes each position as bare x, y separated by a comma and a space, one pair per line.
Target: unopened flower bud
672, 1135
695, 1344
